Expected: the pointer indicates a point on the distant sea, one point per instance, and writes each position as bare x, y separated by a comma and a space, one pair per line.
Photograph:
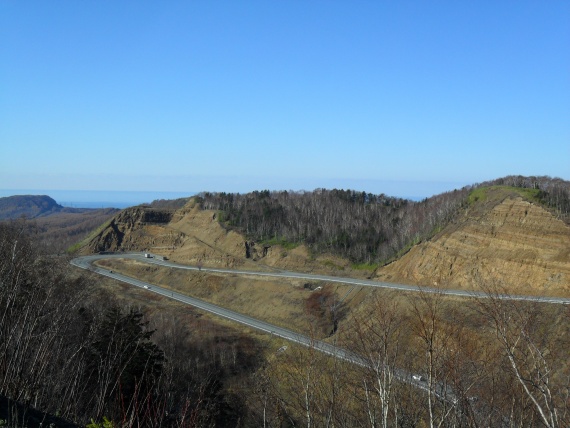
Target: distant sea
98, 198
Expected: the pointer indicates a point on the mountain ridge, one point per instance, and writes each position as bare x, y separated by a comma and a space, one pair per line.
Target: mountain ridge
509, 238
29, 206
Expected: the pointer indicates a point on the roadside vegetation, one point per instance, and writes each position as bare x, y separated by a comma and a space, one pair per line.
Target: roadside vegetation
478, 362
69, 349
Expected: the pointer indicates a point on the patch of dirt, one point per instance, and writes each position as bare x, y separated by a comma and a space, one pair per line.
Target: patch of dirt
514, 244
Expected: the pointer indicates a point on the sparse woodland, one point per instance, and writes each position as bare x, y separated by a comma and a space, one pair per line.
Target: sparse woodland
61, 231
71, 351
363, 227
491, 363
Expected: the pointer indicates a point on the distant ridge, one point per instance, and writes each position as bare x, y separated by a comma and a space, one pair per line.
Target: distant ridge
29, 206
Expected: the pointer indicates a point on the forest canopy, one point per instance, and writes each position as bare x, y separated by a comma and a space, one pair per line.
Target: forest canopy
364, 227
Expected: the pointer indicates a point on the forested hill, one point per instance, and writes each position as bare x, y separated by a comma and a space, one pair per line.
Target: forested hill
54, 226
29, 206
363, 227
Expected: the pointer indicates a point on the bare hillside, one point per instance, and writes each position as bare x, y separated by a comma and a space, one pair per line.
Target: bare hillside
502, 240
189, 235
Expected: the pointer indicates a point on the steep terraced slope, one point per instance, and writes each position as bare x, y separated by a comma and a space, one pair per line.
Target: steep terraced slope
504, 240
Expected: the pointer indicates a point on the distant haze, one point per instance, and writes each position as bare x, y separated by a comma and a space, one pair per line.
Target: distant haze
414, 190
99, 199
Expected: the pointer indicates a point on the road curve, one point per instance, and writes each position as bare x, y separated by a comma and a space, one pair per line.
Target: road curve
440, 390
326, 348
83, 262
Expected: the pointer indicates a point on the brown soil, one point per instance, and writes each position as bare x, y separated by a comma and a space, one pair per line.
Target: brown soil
515, 244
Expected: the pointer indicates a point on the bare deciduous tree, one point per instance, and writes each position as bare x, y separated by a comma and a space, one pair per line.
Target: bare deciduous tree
377, 341
533, 355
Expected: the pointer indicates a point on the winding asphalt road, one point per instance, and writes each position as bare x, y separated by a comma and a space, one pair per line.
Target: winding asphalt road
86, 262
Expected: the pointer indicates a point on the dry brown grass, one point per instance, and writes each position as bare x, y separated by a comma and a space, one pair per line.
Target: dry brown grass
280, 302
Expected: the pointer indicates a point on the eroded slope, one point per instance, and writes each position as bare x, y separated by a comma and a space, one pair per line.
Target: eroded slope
194, 236
512, 243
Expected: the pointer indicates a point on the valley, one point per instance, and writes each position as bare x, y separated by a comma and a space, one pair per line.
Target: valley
453, 320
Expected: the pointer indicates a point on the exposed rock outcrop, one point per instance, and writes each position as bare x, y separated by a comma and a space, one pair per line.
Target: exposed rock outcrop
189, 235
254, 251
131, 230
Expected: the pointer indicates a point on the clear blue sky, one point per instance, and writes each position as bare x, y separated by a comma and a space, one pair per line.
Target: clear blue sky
408, 98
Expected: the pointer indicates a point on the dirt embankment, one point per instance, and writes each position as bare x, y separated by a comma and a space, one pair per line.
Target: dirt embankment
514, 244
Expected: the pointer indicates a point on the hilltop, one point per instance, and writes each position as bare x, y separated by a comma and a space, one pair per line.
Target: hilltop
55, 226
29, 206
498, 233
502, 238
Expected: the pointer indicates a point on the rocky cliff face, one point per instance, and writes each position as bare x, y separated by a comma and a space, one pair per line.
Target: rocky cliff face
514, 244
188, 235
